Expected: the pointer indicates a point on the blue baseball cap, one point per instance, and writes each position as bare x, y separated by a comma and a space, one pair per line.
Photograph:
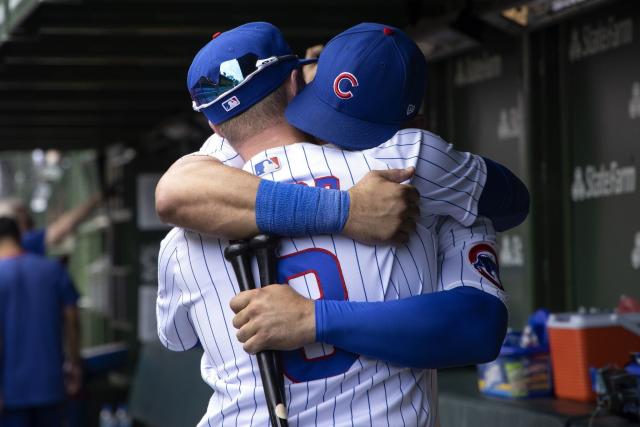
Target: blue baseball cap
370, 80
238, 68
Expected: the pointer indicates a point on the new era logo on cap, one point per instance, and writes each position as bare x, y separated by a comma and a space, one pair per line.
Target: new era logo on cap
231, 103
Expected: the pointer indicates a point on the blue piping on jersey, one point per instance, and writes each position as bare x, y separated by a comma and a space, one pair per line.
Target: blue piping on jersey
459, 327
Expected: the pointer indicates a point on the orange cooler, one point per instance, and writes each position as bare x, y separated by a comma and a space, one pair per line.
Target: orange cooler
582, 341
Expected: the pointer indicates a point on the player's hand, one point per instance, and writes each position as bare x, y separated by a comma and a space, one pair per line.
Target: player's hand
309, 70
273, 318
383, 210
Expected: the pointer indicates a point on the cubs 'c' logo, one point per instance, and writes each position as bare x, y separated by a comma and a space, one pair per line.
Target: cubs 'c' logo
350, 80
484, 259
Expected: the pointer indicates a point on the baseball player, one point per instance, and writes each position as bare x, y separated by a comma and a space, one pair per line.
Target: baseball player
333, 387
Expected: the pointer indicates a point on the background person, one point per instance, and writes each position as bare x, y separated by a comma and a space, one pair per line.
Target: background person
38, 240
39, 335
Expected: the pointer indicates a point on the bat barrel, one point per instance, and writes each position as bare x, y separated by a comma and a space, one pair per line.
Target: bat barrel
265, 246
238, 253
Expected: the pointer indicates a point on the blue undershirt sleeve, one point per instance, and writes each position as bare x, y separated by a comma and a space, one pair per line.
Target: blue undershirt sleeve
504, 199
459, 327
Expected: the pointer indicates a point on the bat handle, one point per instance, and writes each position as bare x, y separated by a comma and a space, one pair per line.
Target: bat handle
271, 375
239, 254
264, 246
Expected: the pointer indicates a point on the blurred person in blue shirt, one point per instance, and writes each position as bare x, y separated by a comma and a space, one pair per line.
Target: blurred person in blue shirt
39, 335
38, 240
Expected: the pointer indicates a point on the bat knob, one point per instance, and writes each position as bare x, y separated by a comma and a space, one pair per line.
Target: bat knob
264, 241
236, 248
281, 411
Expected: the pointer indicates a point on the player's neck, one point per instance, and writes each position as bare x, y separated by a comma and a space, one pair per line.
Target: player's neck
9, 248
274, 136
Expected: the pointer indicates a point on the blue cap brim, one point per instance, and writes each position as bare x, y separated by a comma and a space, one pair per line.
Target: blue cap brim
309, 114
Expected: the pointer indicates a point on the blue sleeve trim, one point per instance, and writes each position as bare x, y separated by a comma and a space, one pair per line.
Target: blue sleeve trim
459, 327
504, 199
296, 210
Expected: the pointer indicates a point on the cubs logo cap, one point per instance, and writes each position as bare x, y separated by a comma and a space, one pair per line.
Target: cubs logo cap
370, 81
238, 68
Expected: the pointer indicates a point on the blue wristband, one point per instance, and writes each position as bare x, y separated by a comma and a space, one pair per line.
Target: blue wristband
296, 210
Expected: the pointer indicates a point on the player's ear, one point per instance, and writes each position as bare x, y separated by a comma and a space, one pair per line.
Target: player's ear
295, 83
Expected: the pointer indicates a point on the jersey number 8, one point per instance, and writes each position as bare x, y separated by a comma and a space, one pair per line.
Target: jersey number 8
322, 267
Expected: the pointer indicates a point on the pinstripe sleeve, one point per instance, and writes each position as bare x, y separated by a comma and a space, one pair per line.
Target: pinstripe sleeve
468, 257
450, 182
211, 146
175, 329
217, 147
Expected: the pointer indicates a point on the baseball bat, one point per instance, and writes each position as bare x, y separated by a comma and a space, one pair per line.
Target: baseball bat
264, 247
239, 254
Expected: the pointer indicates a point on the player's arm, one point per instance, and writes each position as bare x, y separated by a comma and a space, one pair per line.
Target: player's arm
202, 194
175, 329
457, 184
504, 199
66, 224
464, 186
199, 192
463, 324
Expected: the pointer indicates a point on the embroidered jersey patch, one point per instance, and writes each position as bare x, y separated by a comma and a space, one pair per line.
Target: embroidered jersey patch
269, 165
484, 259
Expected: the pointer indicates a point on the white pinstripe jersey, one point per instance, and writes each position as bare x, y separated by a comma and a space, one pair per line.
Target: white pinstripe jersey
326, 386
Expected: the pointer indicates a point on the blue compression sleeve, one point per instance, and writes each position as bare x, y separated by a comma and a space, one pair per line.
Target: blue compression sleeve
296, 210
504, 199
463, 326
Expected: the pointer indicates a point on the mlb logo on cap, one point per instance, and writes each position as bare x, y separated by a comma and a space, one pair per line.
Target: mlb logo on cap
269, 165
231, 103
